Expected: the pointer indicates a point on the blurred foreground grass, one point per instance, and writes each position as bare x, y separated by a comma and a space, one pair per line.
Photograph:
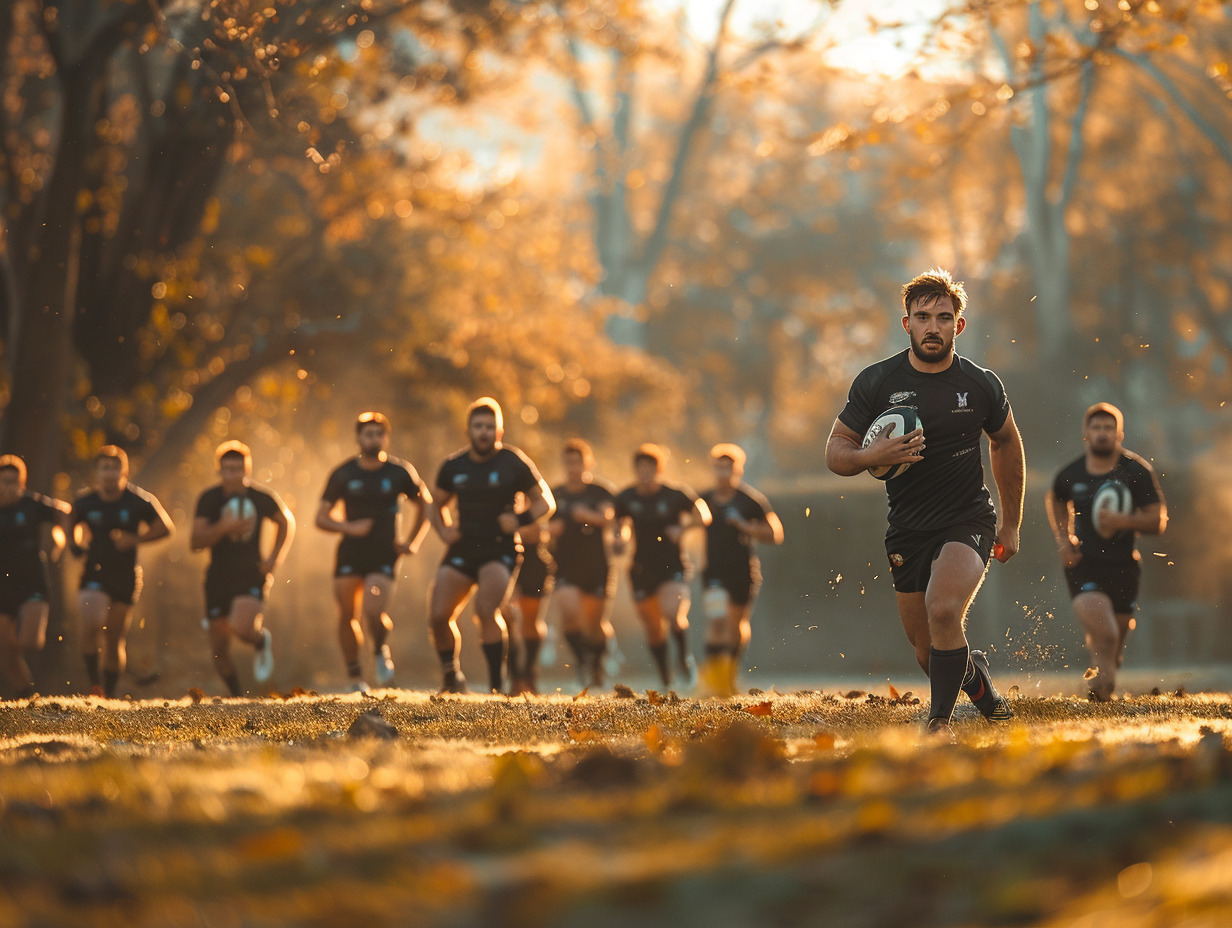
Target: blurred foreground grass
805, 809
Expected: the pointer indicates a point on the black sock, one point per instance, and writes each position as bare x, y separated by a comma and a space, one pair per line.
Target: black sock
578, 645
92, 668
660, 657
354, 671
110, 679
530, 656
516, 650
681, 637
494, 653
233, 682
715, 650
946, 670
449, 663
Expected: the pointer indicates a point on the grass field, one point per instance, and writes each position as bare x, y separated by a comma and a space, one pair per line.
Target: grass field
809, 808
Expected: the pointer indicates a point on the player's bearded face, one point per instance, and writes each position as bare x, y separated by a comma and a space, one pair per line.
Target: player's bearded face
932, 327
1101, 435
482, 432
109, 474
10, 487
372, 440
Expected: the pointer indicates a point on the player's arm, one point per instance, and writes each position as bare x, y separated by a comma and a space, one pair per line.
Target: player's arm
1009, 472
58, 530
620, 537
441, 517
539, 503
1061, 521
78, 534
284, 523
420, 526
846, 457
768, 529
1148, 519
327, 521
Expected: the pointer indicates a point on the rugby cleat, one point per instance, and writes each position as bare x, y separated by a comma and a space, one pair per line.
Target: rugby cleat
688, 671
384, 666
992, 705
263, 658
454, 682
939, 729
357, 686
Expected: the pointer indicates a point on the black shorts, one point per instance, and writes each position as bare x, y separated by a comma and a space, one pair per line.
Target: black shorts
1119, 582
221, 591
17, 591
120, 587
645, 579
741, 583
358, 557
912, 554
534, 573
589, 572
467, 557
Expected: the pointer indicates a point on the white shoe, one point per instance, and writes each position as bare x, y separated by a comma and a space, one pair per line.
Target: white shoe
357, 686
263, 659
384, 666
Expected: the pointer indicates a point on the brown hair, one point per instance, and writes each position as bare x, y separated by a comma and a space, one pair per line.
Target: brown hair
649, 451
932, 285
488, 405
112, 452
581, 447
232, 449
13, 462
368, 418
1104, 409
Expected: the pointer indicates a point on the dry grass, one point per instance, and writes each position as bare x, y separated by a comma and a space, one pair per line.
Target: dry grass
812, 808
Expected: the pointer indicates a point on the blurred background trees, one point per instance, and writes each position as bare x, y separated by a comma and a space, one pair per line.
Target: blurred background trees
682, 222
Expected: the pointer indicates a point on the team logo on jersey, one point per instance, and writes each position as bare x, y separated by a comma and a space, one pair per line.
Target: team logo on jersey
901, 397
896, 560
661, 508
494, 478
21, 518
124, 516
1079, 488
354, 486
94, 516
387, 485
460, 479
962, 400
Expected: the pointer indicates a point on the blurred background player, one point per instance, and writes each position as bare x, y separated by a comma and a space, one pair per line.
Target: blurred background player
485, 479
1103, 569
739, 516
943, 525
582, 536
229, 518
108, 523
29, 523
533, 584
361, 502
656, 515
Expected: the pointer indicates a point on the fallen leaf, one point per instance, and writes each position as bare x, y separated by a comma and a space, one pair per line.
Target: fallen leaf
760, 709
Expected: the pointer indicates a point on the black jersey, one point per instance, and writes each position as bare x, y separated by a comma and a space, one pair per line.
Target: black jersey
133, 508
1075, 484
374, 494
652, 515
578, 542
485, 489
946, 486
241, 555
20, 526
726, 545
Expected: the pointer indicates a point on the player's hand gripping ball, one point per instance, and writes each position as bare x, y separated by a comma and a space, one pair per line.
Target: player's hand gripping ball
904, 419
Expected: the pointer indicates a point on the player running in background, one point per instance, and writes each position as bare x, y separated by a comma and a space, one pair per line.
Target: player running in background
739, 516
532, 586
229, 518
484, 479
1102, 568
582, 533
943, 526
361, 502
656, 515
26, 519
108, 523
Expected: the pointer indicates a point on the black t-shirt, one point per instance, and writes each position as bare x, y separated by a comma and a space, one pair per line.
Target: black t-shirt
20, 533
485, 489
374, 494
232, 555
133, 508
652, 515
726, 545
946, 487
1075, 484
577, 541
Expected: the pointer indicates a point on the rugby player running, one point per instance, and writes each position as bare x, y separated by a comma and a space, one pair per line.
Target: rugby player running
656, 515
484, 478
361, 502
1102, 568
238, 577
943, 526
582, 530
108, 523
27, 522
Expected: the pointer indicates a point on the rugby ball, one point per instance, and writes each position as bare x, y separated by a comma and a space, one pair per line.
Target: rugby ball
904, 419
241, 507
1112, 496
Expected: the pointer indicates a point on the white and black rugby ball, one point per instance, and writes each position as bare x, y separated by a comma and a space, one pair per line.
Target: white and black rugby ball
241, 507
904, 419
1112, 496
